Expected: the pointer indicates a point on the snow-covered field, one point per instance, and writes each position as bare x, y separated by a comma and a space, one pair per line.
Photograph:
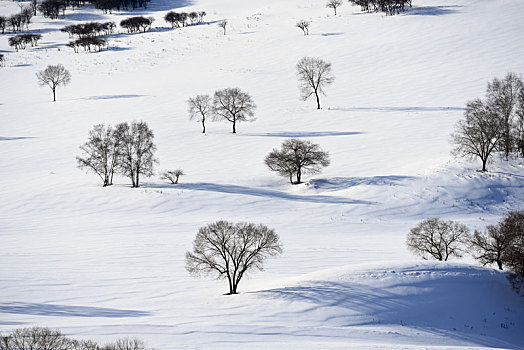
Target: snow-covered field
103, 263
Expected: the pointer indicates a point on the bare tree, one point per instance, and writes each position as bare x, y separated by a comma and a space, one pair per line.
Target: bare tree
136, 151
304, 25
102, 152
334, 4
519, 125
502, 99
438, 239
297, 157
172, 175
199, 108
54, 76
231, 250
223, 25
233, 105
314, 74
35, 338
491, 246
478, 134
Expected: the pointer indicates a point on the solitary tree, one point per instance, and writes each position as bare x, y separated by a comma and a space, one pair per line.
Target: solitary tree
502, 99
199, 108
223, 25
478, 134
297, 157
231, 250
233, 105
54, 76
334, 4
491, 246
304, 25
137, 151
314, 74
172, 175
101, 152
438, 239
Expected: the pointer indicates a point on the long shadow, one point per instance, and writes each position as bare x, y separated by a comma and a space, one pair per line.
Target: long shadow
339, 183
454, 302
112, 97
66, 310
432, 10
399, 109
259, 192
306, 133
3, 138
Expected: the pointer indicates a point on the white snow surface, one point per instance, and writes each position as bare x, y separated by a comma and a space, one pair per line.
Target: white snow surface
103, 263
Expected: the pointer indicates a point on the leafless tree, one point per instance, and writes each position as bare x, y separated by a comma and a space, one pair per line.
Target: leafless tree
102, 152
314, 74
136, 151
502, 99
172, 175
304, 25
491, 246
233, 105
3, 23
519, 125
126, 344
478, 134
35, 338
223, 25
199, 107
297, 157
438, 239
54, 76
334, 4
231, 250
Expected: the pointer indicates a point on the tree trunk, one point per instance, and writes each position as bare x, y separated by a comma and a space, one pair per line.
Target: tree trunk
484, 161
203, 126
54, 95
137, 178
499, 263
299, 176
234, 126
318, 100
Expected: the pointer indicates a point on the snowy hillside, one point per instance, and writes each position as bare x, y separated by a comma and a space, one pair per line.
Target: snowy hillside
103, 263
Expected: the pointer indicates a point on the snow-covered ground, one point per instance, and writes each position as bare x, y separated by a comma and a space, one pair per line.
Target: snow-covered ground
108, 262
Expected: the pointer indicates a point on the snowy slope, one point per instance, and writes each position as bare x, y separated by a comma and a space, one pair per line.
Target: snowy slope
106, 262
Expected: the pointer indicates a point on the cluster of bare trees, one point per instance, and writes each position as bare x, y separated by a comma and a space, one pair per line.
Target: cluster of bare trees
297, 157
495, 124
18, 21
183, 19
44, 338
230, 251
501, 244
51, 8
137, 24
89, 29
21, 41
230, 104
126, 149
389, 7
110, 5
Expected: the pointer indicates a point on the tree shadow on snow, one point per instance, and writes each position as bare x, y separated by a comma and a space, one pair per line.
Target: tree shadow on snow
399, 109
465, 303
340, 183
67, 311
432, 10
259, 192
305, 133
3, 138
112, 97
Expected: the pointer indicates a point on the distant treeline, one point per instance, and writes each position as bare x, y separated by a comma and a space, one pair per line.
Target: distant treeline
389, 7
